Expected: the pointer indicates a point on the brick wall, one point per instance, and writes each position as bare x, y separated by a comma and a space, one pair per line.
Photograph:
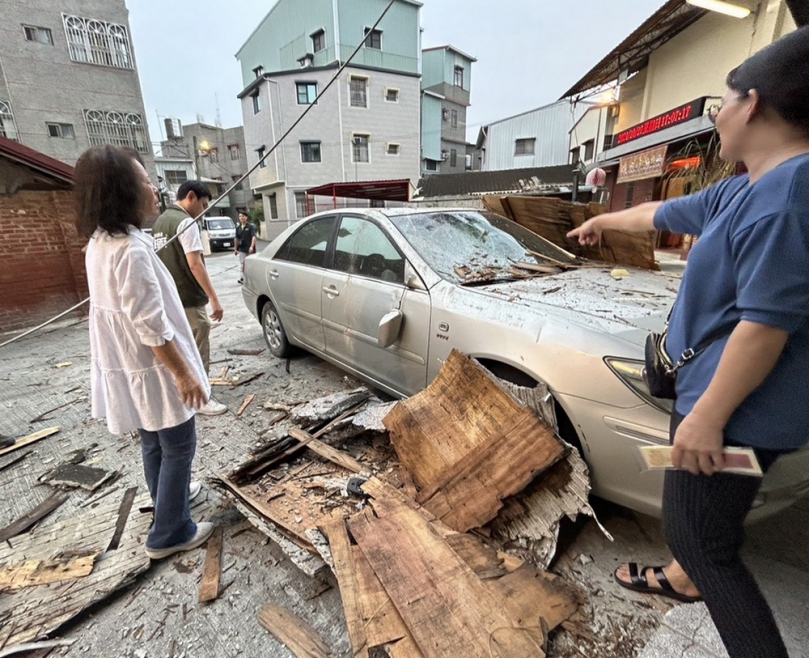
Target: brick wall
41, 264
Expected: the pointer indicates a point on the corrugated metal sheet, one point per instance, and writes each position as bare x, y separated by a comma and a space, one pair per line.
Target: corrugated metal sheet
494, 182
549, 126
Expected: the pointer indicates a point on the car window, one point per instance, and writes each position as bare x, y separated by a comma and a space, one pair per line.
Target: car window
219, 224
470, 246
363, 248
308, 244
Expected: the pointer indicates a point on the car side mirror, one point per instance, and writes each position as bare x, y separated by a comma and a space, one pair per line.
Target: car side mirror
412, 280
389, 327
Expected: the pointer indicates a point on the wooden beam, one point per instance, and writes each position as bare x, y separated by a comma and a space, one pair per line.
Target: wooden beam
300, 638
31, 438
326, 451
212, 571
123, 515
30, 518
246, 403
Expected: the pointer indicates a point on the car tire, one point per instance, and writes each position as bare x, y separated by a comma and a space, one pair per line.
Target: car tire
273, 330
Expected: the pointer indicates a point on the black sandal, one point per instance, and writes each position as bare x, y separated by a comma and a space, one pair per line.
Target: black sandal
639, 583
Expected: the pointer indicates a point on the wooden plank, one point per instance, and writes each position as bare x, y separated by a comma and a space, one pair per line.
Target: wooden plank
41, 572
484, 561
240, 352
212, 571
327, 452
300, 638
123, 514
31, 438
350, 592
246, 403
447, 609
30, 518
468, 444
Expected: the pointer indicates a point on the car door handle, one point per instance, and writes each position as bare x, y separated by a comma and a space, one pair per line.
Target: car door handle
274, 274
331, 290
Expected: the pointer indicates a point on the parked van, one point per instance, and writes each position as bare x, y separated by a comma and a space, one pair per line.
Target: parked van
221, 232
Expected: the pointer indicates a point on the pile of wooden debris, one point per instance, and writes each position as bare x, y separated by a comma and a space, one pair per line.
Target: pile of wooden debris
437, 514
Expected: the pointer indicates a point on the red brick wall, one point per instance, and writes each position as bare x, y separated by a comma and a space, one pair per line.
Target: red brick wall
642, 191
41, 264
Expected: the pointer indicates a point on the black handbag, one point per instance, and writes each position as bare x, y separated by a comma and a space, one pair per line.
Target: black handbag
660, 372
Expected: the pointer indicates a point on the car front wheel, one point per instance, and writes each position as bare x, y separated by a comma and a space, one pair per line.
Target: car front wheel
274, 333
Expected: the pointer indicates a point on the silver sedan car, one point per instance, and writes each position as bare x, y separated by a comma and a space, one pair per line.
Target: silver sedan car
387, 294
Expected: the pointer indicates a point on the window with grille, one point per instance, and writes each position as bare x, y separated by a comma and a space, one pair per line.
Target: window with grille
8, 128
359, 91
260, 152
453, 118
116, 128
392, 95
235, 151
176, 176
458, 81
256, 102
319, 41
239, 186
373, 38
97, 42
430, 165
301, 206
307, 92
310, 151
38, 34
213, 155
589, 148
359, 148
63, 130
453, 158
525, 146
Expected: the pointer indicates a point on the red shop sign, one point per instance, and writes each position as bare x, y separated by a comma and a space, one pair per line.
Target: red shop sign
661, 122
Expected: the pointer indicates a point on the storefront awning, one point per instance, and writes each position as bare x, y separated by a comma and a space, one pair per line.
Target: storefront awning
381, 190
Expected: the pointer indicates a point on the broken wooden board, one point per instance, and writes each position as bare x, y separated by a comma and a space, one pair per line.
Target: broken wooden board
300, 638
41, 572
35, 612
468, 444
246, 403
212, 570
78, 476
30, 518
31, 438
446, 608
327, 452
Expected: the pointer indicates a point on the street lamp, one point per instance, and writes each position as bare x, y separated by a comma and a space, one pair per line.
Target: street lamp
722, 7
201, 148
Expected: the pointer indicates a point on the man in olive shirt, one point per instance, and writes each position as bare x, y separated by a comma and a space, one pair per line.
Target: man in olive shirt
183, 258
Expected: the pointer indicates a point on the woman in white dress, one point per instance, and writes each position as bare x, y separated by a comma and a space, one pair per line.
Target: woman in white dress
146, 372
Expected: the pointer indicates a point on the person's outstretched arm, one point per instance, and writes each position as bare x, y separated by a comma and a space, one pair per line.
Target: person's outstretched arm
637, 220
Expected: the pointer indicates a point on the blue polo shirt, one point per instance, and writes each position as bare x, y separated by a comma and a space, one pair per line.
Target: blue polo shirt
751, 263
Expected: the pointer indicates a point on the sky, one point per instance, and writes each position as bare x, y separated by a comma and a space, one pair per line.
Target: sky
529, 52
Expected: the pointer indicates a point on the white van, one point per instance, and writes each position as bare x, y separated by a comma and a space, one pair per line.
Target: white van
221, 232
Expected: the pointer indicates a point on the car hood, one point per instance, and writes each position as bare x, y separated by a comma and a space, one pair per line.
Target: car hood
627, 303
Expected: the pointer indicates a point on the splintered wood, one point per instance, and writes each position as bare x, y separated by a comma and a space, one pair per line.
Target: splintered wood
468, 444
57, 587
414, 586
300, 638
553, 218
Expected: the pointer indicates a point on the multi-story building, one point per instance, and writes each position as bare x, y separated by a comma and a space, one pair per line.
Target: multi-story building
446, 83
364, 128
648, 125
216, 155
68, 78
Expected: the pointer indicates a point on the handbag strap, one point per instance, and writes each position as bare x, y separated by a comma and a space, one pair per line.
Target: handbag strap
690, 352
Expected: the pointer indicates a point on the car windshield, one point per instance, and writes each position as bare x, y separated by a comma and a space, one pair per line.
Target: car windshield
470, 247
219, 224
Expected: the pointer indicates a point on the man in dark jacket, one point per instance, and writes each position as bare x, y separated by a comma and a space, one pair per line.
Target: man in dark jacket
183, 258
245, 241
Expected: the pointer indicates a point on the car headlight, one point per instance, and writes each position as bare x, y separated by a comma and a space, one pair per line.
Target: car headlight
630, 372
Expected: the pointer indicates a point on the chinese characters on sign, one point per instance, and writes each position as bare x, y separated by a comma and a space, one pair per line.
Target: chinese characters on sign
671, 118
646, 164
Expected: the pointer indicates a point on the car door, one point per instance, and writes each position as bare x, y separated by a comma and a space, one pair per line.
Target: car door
364, 284
294, 278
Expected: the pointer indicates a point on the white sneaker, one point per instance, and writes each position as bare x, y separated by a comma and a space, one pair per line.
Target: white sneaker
204, 530
212, 408
193, 489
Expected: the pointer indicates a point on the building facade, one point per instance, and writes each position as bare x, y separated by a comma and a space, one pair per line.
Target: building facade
365, 127
446, 83
537, 138
648, 125
215, 155
69, 79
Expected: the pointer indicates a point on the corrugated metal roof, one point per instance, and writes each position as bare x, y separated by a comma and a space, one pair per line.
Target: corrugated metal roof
495, 182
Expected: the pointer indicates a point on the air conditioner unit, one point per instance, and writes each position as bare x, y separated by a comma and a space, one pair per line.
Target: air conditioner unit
445, 114
444, 155
307, 61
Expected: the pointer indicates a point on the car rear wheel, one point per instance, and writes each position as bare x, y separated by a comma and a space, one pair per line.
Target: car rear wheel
274, 333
